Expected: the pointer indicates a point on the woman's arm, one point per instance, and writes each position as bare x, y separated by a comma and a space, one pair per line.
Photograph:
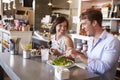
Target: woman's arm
69, 45
68, 42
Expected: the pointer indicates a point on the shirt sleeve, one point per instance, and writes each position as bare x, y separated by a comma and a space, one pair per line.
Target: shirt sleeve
108, 59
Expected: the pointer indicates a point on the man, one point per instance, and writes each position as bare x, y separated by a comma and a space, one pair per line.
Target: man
1, 23
103, 48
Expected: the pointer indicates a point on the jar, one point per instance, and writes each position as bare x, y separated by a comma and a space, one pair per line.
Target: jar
85, 46
26, 53
78, 46
119, 29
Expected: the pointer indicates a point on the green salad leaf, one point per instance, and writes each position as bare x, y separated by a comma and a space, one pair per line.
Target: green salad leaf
59, 61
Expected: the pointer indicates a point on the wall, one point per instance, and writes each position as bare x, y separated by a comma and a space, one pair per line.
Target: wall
41, 9
75, 11
60, 4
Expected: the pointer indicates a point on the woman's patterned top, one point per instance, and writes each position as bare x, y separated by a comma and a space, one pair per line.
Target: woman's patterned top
58, 44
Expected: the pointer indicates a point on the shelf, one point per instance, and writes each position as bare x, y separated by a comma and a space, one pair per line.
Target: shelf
76, 36
62, 11
111, 19
87, 0
118, 69
117, 78
5, 31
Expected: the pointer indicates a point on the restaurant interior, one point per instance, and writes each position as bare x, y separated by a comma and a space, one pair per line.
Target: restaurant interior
29, 22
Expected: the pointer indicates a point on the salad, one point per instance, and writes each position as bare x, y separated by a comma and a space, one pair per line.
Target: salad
60, 61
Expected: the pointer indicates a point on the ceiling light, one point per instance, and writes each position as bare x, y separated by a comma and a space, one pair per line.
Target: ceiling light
69, 1
49, 4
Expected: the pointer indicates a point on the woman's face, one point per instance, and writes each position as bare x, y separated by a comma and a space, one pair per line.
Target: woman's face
61, 28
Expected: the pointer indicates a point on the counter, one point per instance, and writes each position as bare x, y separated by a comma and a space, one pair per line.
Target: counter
18, 68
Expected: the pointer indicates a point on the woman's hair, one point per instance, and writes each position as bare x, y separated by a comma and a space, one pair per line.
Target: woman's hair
92, 14
57, 21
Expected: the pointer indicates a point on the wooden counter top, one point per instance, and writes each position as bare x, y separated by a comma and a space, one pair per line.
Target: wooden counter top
18, 68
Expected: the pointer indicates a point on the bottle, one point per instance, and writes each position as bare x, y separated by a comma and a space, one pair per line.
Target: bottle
79, 46
118, 15
115, 11
84, 46
119, 30
109, 8
107, 28
118, 27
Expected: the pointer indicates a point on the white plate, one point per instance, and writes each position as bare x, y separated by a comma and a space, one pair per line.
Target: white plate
35, 55
50, 63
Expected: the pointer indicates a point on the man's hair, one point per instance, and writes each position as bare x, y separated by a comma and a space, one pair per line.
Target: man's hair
92, 14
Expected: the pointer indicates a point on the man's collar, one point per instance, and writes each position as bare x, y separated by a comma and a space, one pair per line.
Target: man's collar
103, 35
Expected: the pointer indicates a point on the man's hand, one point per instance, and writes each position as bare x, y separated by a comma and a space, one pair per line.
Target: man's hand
72, 52
76, 54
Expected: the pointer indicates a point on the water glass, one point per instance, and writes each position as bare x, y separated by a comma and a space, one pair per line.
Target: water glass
44, 54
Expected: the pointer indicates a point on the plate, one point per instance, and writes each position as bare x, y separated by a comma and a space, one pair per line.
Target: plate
55, 66
35, 55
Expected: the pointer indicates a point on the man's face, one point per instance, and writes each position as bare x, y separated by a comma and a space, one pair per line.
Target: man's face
87, 25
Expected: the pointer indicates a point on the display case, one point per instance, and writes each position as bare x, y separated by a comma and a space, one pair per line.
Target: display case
4, 40
21, 37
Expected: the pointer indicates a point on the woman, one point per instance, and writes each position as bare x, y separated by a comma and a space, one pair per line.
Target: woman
59, 38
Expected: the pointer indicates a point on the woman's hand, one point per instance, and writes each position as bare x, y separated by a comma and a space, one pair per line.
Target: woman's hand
41, 47
54, 51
